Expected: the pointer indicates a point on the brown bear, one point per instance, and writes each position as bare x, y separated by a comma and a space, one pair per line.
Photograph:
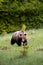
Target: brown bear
18, 37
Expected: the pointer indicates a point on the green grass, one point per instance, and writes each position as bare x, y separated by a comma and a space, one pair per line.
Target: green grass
14, 56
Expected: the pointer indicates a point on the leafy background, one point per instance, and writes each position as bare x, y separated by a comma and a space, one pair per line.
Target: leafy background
14, 13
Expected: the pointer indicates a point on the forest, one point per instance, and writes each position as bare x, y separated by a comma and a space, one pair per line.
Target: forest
15, 13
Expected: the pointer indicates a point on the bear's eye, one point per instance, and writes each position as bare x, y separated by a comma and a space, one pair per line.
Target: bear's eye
25, 34
20, 34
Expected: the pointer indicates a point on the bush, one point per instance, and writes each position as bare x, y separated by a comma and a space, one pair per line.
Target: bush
14, 13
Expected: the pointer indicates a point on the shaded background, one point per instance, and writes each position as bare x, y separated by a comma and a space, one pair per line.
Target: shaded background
14, 13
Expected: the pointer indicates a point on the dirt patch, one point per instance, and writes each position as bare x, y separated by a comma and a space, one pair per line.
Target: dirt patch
5, 48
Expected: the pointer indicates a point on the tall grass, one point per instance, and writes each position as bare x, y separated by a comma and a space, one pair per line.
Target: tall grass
13, 55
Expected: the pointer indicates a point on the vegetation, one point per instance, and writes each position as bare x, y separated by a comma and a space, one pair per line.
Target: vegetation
12, 55
28, 15
13, 13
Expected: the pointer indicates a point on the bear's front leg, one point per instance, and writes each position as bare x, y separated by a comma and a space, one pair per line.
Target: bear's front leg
19, 43
12, 41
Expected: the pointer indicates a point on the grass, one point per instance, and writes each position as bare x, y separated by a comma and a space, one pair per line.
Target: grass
13, 55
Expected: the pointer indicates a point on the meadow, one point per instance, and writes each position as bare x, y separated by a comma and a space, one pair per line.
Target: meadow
12, 55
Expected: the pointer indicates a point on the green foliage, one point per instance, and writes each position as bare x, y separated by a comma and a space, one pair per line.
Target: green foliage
14, 13
23, 27
1, 0
25, 50
4, 32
